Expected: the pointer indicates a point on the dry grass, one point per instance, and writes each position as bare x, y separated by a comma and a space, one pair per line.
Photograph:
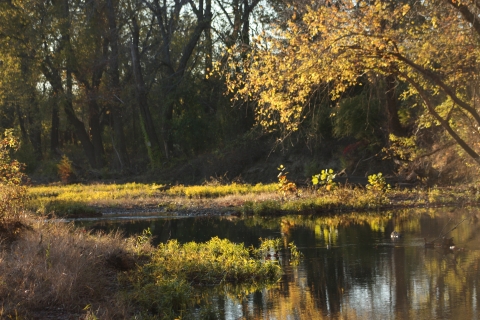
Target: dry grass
57, 268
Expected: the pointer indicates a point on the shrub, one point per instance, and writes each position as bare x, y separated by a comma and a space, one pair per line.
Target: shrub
66, 171
284, 185
325, 178
12, 191
377, 182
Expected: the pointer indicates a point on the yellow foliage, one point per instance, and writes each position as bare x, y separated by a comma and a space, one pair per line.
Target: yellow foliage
428, 44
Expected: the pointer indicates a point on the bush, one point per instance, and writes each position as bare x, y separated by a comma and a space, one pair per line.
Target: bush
66, 171
12, 191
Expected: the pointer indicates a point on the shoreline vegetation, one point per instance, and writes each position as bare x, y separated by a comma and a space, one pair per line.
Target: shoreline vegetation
90, 200
56, 270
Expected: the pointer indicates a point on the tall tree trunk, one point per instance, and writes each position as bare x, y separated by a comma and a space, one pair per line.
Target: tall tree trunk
54, 130
151, 140
35, 126
119, 143
95, 130
31, 111
21, 122
204, 17
78, 125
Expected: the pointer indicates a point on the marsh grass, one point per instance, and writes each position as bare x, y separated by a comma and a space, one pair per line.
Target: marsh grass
81, 200
54, 270
166, 286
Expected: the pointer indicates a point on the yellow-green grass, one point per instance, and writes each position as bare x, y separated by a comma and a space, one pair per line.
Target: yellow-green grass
345, 199
80, 199
94, 192
85, 199
213, 191
264, 199
164, 287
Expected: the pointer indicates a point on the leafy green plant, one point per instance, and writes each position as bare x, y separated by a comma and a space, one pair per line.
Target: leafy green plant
377, 182
325, 178
378, 186
295, 254
285, 186
268, 247
143, 238
11, 171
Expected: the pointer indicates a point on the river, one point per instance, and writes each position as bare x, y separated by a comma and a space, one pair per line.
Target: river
351, 267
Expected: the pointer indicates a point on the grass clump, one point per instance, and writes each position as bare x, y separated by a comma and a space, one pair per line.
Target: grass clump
212, 191
164, 287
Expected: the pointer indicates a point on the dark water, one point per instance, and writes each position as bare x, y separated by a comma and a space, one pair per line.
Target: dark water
351, 268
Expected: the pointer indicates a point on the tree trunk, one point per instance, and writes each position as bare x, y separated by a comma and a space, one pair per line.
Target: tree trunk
175, 76
393, 121
95, 130
118, 142
78, 125
31, 111
148, 127
35, 126
54, 130
21, 122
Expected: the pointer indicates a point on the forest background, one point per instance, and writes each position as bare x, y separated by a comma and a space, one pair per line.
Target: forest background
185, 90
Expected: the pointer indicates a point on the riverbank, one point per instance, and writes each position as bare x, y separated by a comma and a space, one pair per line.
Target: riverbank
52, 270
90, 200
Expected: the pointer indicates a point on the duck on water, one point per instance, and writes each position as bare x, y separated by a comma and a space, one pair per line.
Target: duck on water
395, 235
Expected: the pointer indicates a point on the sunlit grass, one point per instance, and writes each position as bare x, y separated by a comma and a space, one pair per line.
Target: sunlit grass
263, 199
212, 191
78, 199
166, 285
85, 193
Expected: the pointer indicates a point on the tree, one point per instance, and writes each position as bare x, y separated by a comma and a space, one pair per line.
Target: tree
427, 44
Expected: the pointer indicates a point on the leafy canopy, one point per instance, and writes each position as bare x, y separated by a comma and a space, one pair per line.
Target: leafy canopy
430, 45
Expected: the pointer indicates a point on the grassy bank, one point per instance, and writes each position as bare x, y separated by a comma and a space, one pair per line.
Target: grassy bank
93, 199
56, 270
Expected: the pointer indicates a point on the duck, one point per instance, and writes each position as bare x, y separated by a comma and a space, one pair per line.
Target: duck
395, 235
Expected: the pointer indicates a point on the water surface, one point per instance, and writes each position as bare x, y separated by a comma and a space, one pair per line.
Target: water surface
351, 268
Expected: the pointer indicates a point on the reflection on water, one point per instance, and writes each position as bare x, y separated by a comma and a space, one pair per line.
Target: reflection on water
351, 269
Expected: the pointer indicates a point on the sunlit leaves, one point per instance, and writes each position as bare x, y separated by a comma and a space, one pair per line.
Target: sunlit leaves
428, 44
